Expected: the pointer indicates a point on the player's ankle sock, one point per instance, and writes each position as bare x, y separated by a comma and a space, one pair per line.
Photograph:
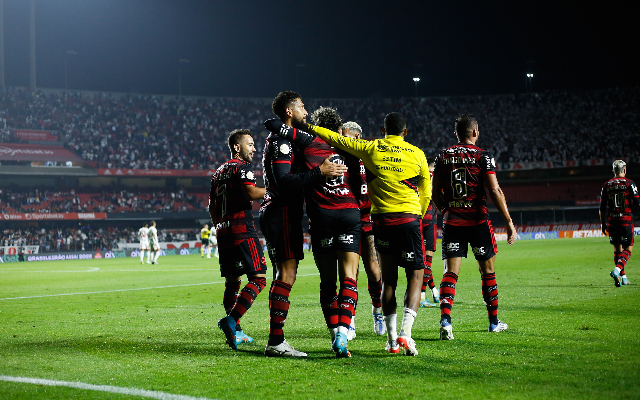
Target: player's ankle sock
423, 295
247, 296
447, 294
230, 295
142, 256
375, 291
348, 298
490, 296
408, 317
278, 310
329, 306
392, 326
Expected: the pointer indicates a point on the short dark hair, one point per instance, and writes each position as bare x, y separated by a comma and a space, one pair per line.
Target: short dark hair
327, 117
394, 123
282, 101
465, 125
235, 135
431, 160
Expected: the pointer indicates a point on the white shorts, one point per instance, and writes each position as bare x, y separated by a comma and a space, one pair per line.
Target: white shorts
155, 247
144, 245
213, 241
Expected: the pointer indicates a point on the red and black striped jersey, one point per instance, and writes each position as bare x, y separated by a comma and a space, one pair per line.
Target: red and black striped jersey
618, 195
229, 208
330, 193
364, 201
430, 215
461, 170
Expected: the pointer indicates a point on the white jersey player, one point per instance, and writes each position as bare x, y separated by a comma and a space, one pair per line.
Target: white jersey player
143, 236
213, 240
153, 241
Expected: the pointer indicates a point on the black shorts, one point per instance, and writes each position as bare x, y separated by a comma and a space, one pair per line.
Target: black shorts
205, 242
621, 234
246, 258
400, 235
429, 236
282, 228
335, 230
456, 241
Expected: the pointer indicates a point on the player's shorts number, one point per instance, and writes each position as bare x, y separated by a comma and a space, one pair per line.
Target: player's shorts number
459, 183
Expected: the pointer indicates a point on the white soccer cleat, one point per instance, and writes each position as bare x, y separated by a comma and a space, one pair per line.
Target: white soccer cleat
408, 344
436, 295
499, 327
446, 332
392, 347
351, 333
284, 349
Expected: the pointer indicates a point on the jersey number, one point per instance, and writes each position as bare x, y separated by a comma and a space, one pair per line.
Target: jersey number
617, 199
459, 183
221, 193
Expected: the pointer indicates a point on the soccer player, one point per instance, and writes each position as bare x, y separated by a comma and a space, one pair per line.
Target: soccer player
367, 245
429, 235
400, 191
334, 216
462, 172
204, 241
281, 214
155, 244
617, 197
143, 236
233, 188
213, 242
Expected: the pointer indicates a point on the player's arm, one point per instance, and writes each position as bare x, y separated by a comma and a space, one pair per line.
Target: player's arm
603, 212
436, 193
497, 196
357, 147
300, 139
252, 192
424, 186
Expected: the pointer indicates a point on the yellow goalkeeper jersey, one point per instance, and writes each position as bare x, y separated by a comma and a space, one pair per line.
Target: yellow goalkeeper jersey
397, 171
204, 233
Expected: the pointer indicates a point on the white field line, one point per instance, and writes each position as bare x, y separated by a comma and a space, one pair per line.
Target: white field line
102, 388
121, 290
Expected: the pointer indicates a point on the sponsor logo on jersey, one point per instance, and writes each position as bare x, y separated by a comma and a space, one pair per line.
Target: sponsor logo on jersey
453, 246
477, 250
408, 255
382, 243
285, 149
327, 242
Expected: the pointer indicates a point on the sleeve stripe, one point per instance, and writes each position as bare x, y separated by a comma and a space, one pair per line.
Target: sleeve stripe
281, 162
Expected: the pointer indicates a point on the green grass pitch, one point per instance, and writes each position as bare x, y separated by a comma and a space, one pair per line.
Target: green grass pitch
572, 334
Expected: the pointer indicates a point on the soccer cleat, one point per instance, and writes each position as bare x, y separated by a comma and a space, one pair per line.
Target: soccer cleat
408, 344
446, 331
208, 255
284, 349
228, 326
625, 280
242, 337
499, 327
616, 278
340, 344
351, 333
425, 303
378, 324
392, 347
436, 295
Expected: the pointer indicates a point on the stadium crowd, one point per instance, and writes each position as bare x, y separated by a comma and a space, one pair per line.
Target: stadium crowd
153, 132
84, 237
117, 202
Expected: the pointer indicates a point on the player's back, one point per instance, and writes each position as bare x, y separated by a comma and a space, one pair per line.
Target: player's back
143, 234
618, 194
278, 150
153, 233
461, 169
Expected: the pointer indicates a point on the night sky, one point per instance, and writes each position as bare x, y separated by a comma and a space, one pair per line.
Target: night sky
324, 48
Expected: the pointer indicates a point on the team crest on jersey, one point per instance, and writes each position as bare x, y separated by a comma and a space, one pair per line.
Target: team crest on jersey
250, 175
285, 149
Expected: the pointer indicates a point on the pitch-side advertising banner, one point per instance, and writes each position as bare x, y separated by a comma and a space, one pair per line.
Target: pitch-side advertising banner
14, 250
35, 152
51, 216
42, 136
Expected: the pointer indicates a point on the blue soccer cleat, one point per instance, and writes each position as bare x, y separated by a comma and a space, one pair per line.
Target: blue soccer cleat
242, 337
340, 346
616, 278
625, 280
228, 326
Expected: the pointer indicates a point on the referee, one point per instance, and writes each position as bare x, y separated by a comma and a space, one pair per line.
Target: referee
400, 191
204, 240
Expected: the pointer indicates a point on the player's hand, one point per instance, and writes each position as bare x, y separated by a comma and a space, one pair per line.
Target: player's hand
512, 235
604, 230
278, 127
332, 170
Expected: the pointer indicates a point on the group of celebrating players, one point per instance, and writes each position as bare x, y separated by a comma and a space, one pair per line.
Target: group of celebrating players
148, 237
371, 198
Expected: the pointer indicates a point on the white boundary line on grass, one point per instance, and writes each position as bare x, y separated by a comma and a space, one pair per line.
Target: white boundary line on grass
102, 388
119, 290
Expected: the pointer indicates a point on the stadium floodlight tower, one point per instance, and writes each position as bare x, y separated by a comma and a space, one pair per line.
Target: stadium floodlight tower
415, 81
528, 83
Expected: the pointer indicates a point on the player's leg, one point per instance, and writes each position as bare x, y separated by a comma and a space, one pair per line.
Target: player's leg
229, 297
149, 255
157, 254
626, 254
374, 281
347, 298
617, 236
429, 235
326, 262
389, 273
484, 248
141, 255
447, 295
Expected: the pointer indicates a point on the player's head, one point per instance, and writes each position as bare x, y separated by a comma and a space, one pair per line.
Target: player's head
395, 124
153, 223
327, 117
289, 108
466, 125
351, 129
619, 167
241, 144
146, 225
431, 162
206, 226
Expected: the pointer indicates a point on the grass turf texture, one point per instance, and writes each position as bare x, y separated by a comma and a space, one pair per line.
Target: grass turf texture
572, 334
